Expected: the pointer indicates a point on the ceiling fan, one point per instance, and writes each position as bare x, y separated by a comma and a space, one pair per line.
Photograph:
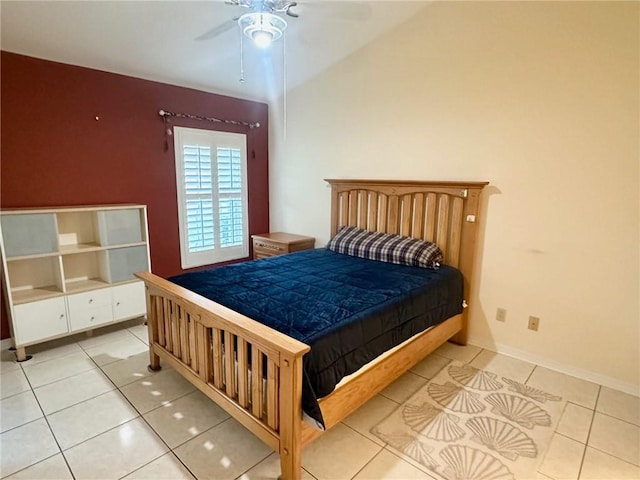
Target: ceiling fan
263, 25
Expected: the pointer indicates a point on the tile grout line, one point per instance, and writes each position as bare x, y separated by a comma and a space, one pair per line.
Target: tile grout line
586, 442
475, 356
615, 418
239, 477
530, 374
365, 465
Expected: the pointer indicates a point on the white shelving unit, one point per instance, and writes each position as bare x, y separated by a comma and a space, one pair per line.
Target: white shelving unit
67, 270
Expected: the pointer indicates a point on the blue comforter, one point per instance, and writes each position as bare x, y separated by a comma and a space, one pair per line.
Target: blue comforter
347, 309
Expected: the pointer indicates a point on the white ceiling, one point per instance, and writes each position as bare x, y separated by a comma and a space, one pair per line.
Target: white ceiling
158, 40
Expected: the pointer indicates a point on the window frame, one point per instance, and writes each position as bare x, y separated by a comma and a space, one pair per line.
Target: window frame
214, 139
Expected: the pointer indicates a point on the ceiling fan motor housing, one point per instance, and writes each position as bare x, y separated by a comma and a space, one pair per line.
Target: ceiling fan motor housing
255, 24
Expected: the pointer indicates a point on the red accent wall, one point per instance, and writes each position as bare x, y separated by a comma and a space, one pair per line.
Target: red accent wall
55, 152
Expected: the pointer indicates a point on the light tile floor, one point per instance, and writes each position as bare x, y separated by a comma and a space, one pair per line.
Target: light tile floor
86, 407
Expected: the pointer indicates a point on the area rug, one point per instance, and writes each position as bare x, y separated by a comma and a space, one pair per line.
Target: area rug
468, 423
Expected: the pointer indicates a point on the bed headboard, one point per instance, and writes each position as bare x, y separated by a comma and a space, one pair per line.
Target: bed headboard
445, 213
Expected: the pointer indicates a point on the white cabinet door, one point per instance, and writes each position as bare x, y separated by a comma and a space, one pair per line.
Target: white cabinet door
40, 320
90, 309
129, 300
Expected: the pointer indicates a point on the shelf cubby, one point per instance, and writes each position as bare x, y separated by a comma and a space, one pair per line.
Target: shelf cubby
84, 271
35, 279
77, 231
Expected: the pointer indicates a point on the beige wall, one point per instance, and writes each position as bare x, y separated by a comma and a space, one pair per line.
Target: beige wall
539, 98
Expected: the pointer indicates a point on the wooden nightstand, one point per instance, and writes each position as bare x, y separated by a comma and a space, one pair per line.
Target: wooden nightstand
278, 243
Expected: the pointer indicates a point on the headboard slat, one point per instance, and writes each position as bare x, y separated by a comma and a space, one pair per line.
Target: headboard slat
393, 214
417, 221
382, 214
353, 209
407, 214
372, 223
363, 214
453, 250
430, 224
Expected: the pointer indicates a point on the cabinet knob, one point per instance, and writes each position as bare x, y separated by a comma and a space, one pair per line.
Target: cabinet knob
62, 315
118, 304
92, 318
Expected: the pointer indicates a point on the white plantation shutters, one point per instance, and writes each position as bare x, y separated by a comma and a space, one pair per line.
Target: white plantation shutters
230, 190
198, 193
211, 175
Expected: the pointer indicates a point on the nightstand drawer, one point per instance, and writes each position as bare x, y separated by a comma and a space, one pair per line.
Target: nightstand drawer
271, 244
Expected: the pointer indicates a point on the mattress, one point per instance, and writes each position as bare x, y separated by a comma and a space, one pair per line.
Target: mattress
349, 310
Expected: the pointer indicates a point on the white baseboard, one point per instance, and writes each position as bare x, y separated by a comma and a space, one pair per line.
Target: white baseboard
6, 344
597, 378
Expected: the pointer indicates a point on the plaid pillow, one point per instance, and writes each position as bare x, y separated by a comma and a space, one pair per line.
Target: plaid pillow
386, 247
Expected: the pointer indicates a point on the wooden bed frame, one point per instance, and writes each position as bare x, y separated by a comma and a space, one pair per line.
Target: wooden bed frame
188, 331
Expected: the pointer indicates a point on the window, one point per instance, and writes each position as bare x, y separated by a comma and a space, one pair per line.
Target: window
211, 175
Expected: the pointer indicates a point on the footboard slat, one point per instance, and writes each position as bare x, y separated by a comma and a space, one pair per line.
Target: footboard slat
229, 368
194, 357
243, 372
272, 394
256, 382
217, 359
166, 303
175, 329
202, 347
183, 320
157, 303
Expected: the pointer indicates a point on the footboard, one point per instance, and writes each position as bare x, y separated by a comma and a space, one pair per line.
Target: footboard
250, 370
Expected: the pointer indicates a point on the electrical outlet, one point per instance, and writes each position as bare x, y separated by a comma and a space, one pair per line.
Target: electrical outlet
501, 315
534, 322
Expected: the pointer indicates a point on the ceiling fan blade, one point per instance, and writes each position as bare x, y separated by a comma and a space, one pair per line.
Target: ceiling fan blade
353, 11
219, 30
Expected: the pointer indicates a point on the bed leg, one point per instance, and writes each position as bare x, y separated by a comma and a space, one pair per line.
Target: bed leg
460, 338
154, 361
291, 418
291, 467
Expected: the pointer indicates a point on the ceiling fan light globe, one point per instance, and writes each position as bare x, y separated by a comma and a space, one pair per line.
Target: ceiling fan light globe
262, 39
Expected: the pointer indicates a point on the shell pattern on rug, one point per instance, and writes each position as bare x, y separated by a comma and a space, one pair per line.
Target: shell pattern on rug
432, 422
527, 391
506, 439
455, 398
519, 410
474, 378
419, 416
410, 446
468, 463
